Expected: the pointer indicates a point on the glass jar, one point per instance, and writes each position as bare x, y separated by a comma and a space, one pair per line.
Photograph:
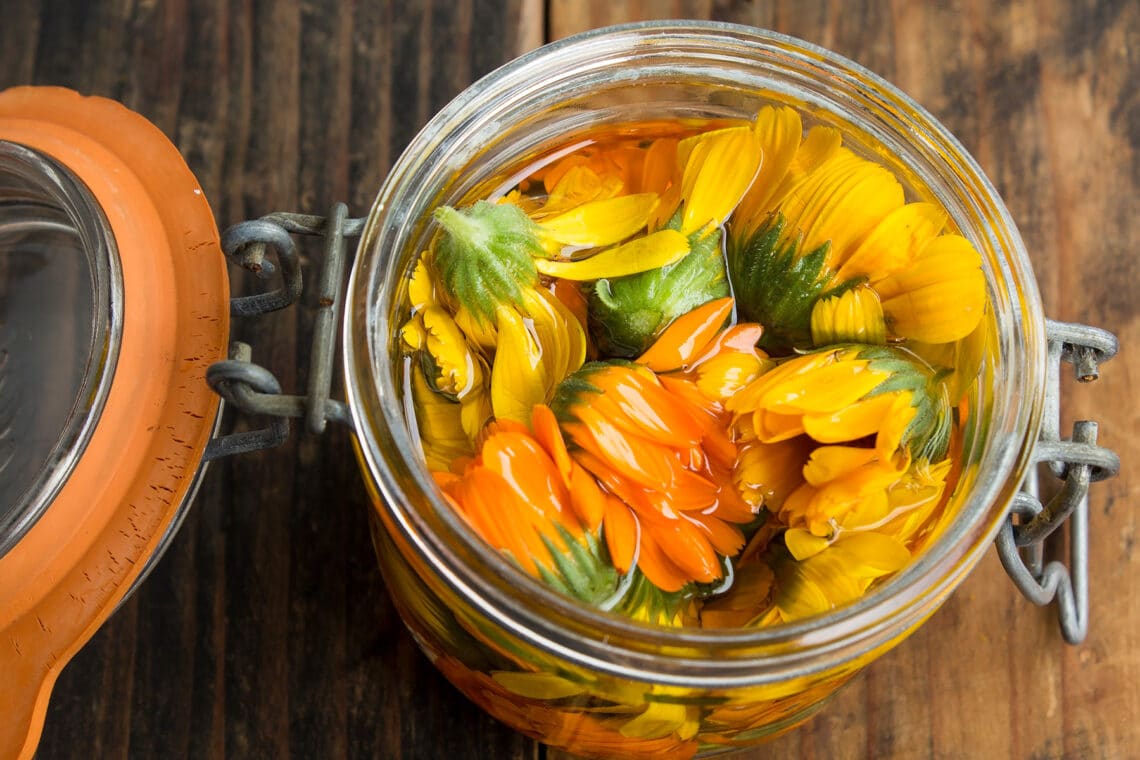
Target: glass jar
579, 678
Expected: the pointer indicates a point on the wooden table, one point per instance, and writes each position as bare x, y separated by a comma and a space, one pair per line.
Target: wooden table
266, 631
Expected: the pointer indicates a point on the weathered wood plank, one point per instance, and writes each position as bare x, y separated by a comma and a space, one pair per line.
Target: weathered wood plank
266, 630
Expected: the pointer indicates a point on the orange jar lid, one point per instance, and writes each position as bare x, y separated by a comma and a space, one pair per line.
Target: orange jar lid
113, 302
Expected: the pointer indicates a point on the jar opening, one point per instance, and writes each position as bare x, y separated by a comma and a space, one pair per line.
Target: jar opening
711, 70
60, 326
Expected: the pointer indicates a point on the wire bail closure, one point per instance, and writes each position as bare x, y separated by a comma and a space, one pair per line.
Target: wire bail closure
250, 387
1077, 462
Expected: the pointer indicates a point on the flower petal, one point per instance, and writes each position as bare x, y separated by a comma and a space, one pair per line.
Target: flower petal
601, 223
778, 131
621, 533
852, 422
942, 297
854, 316
686, 336
717, 174
802, 544
767, 474
894, 243
840, 202
518, 375
638, 255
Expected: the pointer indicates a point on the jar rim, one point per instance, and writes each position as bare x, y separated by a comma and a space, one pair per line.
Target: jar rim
679, 655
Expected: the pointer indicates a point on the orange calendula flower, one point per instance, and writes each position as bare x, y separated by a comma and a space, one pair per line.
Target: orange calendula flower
653, 450
523, 494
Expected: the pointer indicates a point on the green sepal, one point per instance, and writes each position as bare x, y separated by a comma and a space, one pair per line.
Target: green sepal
583, 571
484, 256
646, 601
928, 434
776, 286
628, 313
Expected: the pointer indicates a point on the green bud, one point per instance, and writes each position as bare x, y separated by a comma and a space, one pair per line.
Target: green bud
484, 257
628, 313
776, 286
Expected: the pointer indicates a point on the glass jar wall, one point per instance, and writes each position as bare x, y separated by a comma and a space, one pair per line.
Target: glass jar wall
577, 677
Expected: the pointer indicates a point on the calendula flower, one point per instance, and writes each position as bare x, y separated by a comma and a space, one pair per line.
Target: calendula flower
837, 575
525, 497
717, 168
646, 445
832, 220
872, 410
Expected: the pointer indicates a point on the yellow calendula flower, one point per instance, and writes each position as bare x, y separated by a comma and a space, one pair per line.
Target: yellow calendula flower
447, 361
864, 413
821, 219
837, 575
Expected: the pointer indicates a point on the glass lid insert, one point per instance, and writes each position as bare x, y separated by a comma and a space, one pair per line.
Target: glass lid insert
60, 328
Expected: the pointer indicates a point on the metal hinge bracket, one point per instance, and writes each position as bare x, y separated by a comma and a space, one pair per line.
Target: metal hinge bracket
1077, 462
251, 388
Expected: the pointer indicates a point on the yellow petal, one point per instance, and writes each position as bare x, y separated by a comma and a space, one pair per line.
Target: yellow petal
438, 421
766, 474
820, 144
413, 333
458, 370
724, 374
850, 423
828, 463
802, 544
601, 223
749, 398
894, 243
840, 202
661, 719
638, 255
560, 335
826, 389
537, 685
480, 332
773, 427
854, 316
518, 375
421, 286
579, 185
717, 175
779, 131
941, 297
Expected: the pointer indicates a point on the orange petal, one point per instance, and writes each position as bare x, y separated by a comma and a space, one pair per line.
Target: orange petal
547, 433
725, 538
530, 473
621, 532
661, 571
688, 548
586, 498
686, 336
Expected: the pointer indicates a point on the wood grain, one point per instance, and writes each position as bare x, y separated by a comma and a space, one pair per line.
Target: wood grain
266, 632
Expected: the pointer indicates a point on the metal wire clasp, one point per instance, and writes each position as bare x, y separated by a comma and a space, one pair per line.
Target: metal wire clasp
252, 388
1077, 462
